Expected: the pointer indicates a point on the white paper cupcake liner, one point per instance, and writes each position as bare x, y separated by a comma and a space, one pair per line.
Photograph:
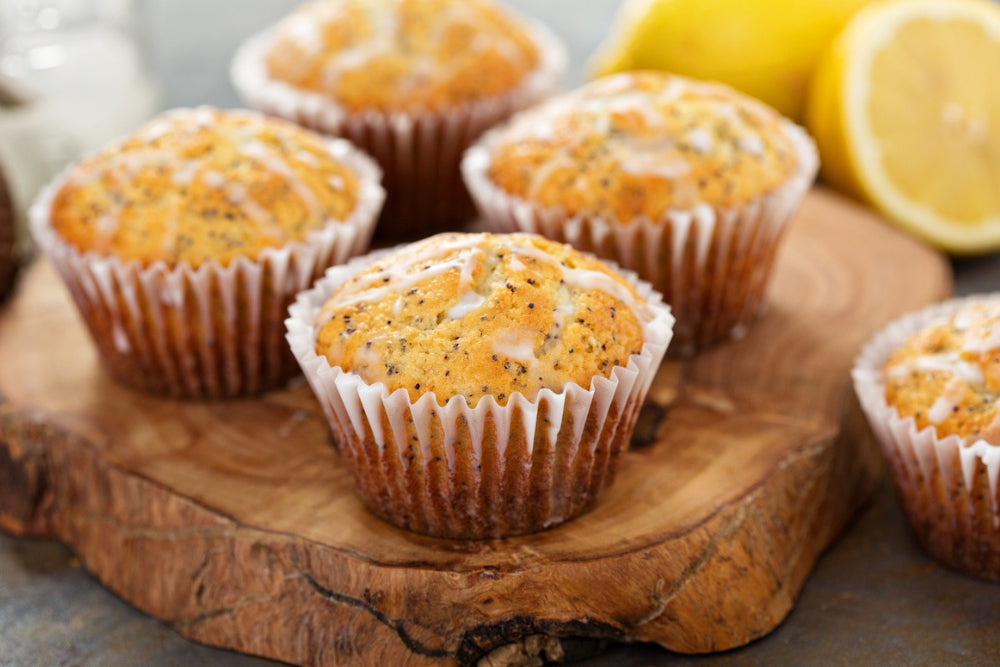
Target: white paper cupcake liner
948, 489
419, 152
488, 471
209, 332
711, 264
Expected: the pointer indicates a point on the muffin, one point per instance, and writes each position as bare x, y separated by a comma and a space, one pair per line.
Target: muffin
184, 244
480, 385
413, 82
930, 386
688, 184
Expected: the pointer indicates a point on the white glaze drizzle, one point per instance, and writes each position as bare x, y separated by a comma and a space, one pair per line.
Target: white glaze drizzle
946, 362
517, 344
214, 179
185, 171
983, 337
940, 410
273, 161
239, 197
470, 259
468, 302
402, 271
305, 157
751, 144
642, 164
949, 399
126, 165
591, 110
587, 280
699, 139
541, 174
363, 290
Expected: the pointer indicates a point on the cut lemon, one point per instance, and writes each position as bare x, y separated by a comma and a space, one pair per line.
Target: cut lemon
766, 48
905, 108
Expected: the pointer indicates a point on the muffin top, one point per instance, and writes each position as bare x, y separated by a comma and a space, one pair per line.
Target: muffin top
640, 144
195, 184
479, 315
402, 55
948, 375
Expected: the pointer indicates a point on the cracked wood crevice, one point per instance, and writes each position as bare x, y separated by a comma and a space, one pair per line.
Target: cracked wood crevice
208, 615
129, 531
396, 625
659, 604
727, 529
811, 480
730, 525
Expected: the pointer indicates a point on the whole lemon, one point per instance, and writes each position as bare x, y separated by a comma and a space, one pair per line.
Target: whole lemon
766, 48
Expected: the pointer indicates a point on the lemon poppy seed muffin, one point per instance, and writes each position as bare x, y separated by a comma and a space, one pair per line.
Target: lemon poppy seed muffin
506, 314
930, 385
413, 82
641, 145
480, 385
203, 184
687, 183
184, 243
402, 55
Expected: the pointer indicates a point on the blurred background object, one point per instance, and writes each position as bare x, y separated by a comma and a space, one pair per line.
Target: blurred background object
191, 42
72, 78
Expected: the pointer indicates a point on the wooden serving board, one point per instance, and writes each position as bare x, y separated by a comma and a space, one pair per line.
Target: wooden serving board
235, 522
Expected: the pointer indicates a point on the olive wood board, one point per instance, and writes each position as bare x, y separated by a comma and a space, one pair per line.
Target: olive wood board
235, 522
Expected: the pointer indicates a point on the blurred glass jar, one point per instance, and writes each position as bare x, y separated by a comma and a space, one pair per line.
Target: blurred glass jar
72, 78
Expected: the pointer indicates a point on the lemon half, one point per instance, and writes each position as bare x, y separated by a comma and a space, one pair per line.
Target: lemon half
905, 108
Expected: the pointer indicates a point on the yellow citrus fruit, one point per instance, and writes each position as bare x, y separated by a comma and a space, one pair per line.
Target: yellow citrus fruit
766, 48
905, 108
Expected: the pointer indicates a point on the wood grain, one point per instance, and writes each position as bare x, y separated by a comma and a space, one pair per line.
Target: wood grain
235, 521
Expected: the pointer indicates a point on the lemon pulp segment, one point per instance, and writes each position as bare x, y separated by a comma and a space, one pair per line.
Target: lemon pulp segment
906, 110
939, 121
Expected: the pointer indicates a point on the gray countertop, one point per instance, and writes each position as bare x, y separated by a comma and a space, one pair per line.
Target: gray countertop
873, 598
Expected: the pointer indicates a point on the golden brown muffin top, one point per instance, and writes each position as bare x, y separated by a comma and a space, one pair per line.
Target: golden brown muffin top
639, 144
402, 55
195, 184
479, 315
948, 375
